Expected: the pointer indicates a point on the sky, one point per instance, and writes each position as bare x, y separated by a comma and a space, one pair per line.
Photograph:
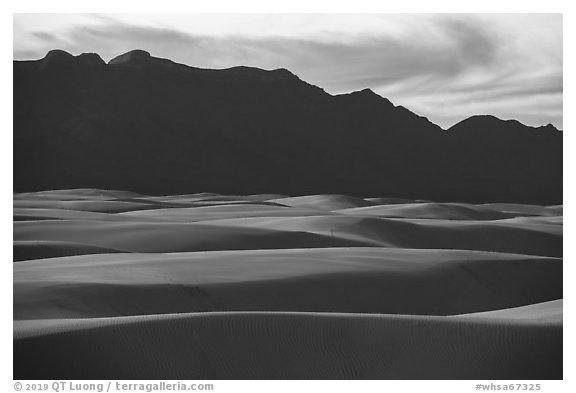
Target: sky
446, 67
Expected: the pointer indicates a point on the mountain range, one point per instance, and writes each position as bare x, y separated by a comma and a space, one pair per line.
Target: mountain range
153, 126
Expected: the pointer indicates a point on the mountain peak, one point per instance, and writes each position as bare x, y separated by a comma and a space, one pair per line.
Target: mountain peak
366, 96
367, 91
259, 73
285, 72
58, 55
550, 127
132, 57
58, 58
484, 121
90, 58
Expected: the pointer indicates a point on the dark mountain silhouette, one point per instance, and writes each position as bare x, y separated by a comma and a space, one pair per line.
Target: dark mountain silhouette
150, 125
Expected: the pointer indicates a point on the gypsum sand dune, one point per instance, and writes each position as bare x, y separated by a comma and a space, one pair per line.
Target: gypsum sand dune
97, 206
194, 214
111, 195
254, 198
520, 237
172, 237
527, 210
176, 214
446, 211
393, 201
296, 232
353, 201
77, 194
40, 249
551, 311
37, 214
292, 281
249, 345
370, 280
550, 220
105, 204
326, 202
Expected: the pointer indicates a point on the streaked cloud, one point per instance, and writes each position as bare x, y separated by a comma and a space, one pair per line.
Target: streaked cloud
446, 67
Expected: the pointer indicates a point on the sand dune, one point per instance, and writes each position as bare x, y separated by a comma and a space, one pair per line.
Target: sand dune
325, 202
40, 249
526, 210
143, 232
172, 236
446, 211
208, 198
392, 201
371, 280
222, 212
35, 214
115, 284
76, 194
547, 311
99, 206
503, 235
238, 198
176, 214
288, 346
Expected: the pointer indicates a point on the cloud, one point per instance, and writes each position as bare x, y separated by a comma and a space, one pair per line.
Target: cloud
45, 36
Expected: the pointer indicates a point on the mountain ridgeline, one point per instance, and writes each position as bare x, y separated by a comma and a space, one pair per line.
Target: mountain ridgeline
153, 126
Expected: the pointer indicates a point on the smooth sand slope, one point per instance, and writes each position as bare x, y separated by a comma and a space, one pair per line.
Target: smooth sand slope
509, 235
173, 236
325, 202
446, 211
526, 210
370, 280
226, 211
28, 250
118, 285
548, 311
288, 346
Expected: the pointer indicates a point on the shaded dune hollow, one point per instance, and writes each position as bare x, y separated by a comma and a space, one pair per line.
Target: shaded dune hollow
119, 285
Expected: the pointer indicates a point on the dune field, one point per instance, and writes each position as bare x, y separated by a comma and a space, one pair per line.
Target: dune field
118, 285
